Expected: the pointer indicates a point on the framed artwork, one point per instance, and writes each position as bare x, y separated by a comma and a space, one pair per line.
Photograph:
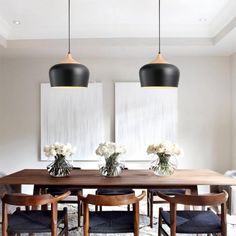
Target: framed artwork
143, 116
73, 115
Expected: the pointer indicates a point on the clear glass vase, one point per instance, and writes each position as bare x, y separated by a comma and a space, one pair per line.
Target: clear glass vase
60, 167
111, 166
164, 165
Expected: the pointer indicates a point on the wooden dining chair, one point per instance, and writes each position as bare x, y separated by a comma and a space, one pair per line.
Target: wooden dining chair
111, 221
152, 194
195, 221
56, 190
115, 191
31, 220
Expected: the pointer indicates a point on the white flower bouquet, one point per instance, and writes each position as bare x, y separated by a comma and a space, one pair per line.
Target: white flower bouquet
166, 162
165, 148
57, 149
60, 167
111, 166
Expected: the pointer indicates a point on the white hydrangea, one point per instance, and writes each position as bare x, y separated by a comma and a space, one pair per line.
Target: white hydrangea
165, 148
59, 149
108, 148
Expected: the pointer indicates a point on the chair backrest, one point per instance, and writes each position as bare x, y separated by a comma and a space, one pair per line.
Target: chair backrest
112, 200
32, 200
197, 200
214, 199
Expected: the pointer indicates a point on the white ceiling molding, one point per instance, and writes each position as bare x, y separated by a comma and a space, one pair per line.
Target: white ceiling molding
125, 48
113, 31
226, 30
223, 18
200, 27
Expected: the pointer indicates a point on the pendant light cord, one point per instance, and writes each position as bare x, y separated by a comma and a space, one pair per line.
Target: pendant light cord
159, 27
68, 26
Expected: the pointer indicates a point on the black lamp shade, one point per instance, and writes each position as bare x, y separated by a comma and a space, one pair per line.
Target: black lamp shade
159, 74
69, 75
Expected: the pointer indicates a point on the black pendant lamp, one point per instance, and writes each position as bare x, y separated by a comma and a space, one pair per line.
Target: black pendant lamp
69, 73
159, 73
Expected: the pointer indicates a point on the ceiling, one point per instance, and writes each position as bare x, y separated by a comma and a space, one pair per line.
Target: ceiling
188, 26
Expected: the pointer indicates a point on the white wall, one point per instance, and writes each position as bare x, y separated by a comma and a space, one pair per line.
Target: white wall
204, 112
233, 91
204, 127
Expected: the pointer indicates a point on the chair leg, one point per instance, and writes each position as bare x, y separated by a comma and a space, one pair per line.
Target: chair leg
79, 212
98, 208
66, 222
86, 219
159, 222
151, 210
128, 207
44, 207
148, 207
80, 208
136, 218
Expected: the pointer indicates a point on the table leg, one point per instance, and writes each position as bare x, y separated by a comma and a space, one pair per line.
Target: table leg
36, 189
193, 191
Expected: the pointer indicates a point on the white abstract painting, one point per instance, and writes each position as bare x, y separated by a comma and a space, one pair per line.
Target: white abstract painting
144, 116
73, 115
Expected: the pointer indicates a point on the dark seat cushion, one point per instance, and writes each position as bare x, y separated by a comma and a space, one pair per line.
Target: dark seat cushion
167, 191
104, 191
194, 221
32, 221
58, 190
111, 222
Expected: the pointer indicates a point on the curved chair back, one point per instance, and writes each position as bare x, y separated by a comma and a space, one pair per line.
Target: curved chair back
112, 200
196, 200
32, 200
215, 199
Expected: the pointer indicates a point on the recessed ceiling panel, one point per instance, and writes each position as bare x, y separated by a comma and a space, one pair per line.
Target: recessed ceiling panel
109, 18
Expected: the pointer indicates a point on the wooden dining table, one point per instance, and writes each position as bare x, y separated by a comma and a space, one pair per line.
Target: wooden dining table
137, 179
